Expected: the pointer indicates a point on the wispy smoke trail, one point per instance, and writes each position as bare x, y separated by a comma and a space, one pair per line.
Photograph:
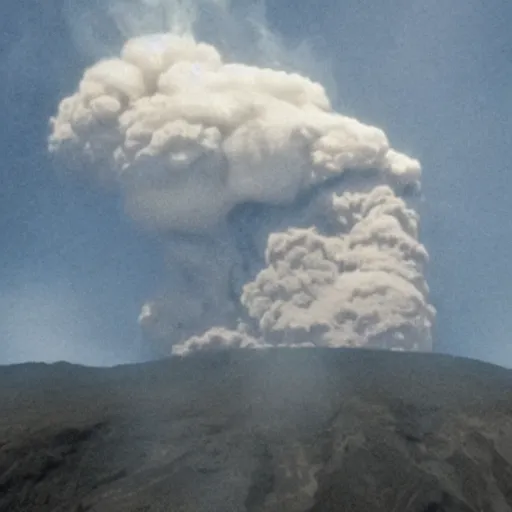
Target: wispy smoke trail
287, 222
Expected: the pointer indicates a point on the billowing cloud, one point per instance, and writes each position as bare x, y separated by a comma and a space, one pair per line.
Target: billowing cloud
331, 257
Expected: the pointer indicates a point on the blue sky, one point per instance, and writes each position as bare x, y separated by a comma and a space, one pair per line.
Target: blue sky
436, 76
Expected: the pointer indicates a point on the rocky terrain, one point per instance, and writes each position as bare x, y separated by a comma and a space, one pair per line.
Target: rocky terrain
280, 430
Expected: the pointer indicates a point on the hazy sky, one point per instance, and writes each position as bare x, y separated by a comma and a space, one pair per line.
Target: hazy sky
436, 76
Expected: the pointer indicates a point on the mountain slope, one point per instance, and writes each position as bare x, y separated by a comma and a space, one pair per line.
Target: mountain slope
314, 430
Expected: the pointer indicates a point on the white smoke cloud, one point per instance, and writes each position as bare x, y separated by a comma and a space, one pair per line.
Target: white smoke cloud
190, 139
362, 287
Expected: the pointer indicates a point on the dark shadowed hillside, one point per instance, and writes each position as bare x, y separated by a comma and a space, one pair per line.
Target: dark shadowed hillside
281, 430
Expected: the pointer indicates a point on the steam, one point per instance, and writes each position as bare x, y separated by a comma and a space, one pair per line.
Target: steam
287, 222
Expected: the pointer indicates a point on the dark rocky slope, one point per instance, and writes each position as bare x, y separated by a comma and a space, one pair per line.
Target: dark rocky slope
286, 430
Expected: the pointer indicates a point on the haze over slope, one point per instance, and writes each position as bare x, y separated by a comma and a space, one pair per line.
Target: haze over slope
287, 222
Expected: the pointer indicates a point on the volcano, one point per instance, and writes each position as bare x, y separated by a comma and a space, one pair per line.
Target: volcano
315, 430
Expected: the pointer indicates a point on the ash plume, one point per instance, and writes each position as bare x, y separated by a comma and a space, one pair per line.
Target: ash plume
287, 223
